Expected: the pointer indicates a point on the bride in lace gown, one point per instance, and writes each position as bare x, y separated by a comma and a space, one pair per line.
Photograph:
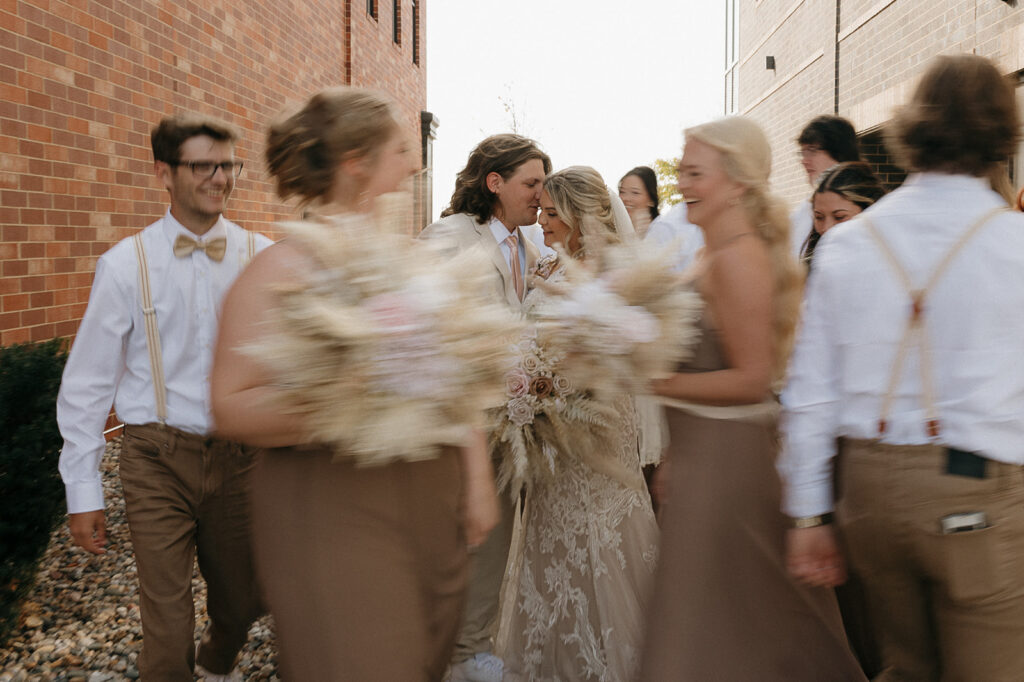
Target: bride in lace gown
580, 578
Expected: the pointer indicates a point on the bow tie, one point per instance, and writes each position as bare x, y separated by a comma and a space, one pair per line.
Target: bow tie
214, 248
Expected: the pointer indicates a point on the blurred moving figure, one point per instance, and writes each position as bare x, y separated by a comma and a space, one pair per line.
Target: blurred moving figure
909, 355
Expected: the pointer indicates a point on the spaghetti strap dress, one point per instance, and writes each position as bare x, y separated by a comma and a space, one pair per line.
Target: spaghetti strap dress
725, 608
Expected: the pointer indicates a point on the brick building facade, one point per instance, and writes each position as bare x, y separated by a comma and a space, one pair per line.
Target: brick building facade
84, 81
854, 58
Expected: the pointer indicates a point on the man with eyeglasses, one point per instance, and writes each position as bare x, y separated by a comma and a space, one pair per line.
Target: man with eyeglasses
825, 141
146, 345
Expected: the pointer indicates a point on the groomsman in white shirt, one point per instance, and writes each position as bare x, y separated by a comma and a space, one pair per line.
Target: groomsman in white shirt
672, 229
496, 199
910, 355
145, 346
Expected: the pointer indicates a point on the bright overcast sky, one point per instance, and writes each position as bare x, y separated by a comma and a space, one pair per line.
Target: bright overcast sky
609, 88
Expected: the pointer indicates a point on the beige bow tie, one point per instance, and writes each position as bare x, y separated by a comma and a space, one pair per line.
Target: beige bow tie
214, 248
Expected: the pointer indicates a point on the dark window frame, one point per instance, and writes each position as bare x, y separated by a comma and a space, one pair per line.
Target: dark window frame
396, 24
416, 32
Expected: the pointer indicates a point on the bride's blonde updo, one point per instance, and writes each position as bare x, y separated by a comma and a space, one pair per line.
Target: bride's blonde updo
582, 201
305, 147
747, 159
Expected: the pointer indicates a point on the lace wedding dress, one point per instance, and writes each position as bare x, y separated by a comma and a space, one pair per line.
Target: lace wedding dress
583, 569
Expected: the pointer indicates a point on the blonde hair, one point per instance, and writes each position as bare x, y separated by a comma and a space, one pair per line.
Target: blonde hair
582, 201
305, 148
747, 160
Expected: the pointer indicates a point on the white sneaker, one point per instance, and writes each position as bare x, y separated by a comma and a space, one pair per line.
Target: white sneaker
233, 676
483, 667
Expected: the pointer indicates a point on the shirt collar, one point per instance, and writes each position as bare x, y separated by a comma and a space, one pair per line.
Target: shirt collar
499, 230
172, 228
946, 182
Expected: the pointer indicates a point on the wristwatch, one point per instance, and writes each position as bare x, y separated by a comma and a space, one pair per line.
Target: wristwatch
813, 521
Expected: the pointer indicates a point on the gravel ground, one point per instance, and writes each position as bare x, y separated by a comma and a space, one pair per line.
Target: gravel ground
81, 622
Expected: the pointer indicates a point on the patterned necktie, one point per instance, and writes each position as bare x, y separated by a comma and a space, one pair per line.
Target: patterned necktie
513, 263
214, 248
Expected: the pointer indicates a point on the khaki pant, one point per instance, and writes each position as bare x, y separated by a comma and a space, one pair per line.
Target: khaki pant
187, 496
364, 568
486, 572
947, 607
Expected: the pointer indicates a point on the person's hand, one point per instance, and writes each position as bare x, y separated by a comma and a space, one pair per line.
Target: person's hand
813, 557
660, 387
480, 512
89, 530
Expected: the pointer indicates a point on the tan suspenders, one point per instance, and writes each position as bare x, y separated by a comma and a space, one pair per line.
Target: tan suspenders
156, 362
152, 332
915, 330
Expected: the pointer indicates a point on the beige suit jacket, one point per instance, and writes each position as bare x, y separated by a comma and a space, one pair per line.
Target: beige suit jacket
463, 231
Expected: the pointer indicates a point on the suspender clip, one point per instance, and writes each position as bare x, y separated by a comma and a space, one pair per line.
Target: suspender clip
916, 306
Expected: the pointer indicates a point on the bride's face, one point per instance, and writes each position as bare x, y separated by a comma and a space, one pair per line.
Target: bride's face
556, 231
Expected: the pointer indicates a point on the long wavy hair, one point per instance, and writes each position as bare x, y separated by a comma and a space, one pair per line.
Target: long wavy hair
962, 118
501, 154
582, 202
747, 160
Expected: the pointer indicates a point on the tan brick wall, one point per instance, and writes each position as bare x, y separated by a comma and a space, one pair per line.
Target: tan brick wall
82, 82
800, 34
883, 47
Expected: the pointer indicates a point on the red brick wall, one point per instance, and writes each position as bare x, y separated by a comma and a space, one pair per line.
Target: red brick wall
82, 82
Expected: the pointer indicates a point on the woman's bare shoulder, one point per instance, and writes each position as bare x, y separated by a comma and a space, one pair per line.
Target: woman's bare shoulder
744, 265
280, 262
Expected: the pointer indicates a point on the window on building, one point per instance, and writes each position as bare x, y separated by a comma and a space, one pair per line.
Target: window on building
416, 32
732, 48
371, 8
396, 31
732, 54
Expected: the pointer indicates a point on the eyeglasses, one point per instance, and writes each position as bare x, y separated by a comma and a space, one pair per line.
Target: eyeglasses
204, 170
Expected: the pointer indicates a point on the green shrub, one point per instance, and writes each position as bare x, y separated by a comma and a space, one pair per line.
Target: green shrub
31, 491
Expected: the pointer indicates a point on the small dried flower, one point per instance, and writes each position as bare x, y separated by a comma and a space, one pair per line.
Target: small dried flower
517, 383
530, 362
541, 387
520, 412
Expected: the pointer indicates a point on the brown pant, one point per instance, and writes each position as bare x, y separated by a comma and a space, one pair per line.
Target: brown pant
486, 572
187, 496
947, 606
364, 568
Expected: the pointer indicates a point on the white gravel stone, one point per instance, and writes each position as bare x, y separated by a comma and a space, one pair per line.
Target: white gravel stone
81, 621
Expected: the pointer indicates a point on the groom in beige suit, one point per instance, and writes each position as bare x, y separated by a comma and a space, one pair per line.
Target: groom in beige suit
496, 196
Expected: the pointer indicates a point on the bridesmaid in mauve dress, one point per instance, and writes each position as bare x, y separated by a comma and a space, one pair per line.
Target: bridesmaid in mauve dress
724, 607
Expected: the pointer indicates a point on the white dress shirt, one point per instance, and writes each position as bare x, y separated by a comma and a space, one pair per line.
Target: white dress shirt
109, 362
801, 220
856, 314
672, 229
